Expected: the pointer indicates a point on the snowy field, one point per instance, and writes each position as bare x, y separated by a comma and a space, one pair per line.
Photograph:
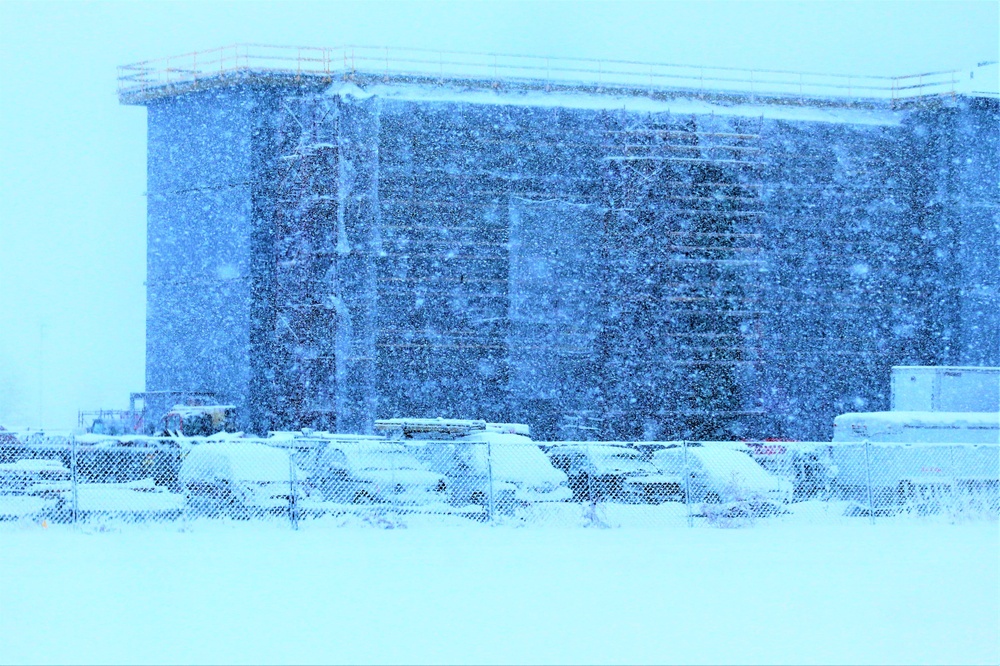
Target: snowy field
893, 593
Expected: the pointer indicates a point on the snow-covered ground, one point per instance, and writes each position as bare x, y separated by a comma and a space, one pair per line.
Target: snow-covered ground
891, 593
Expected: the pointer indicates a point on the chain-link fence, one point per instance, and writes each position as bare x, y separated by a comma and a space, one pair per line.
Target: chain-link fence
310, 479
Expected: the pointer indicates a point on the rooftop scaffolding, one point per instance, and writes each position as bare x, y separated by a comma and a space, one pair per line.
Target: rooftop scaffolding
142, 82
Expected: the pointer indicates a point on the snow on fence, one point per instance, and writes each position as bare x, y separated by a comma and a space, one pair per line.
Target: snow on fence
308, 480
191, 71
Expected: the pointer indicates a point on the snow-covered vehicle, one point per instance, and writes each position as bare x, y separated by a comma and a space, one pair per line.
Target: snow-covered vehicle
373, 470
483, 460
47, 484
34, 475
722, 474
36, 486
808, 465
9, 443
128, 458
240, 478
616, 472
510, 466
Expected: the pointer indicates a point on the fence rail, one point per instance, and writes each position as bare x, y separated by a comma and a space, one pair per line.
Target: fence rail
307, 480
238, 62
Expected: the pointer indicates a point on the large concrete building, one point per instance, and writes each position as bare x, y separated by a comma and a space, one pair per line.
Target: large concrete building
604, 251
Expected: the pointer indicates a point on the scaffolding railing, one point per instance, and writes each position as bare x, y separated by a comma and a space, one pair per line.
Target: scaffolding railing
190, 71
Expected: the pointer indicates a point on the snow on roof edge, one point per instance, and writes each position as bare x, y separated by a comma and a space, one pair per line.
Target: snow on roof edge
436, 94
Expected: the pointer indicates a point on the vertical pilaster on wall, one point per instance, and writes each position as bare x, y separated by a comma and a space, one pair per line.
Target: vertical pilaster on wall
358, 246
300, 310
320, 287
264, 200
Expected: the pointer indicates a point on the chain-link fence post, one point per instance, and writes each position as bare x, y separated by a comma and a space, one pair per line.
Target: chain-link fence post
589, 466
395, 491
489, 474
954, 495
687, 486
868, 476
74, 494
293, 491
590, 487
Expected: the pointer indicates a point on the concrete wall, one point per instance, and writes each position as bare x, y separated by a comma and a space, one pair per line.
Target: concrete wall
199, 243
750, 273
465, 190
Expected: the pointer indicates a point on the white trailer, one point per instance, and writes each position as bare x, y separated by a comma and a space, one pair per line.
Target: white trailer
933, 427
900, 473
921, 459
945, 389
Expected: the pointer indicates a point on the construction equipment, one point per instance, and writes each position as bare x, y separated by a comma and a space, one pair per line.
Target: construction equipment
191, 420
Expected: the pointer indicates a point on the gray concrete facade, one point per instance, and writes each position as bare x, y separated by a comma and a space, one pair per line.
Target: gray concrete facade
595, 267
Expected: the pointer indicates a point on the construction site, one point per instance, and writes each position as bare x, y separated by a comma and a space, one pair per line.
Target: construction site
602, 250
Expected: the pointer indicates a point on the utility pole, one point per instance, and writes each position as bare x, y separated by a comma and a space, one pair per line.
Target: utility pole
41, 374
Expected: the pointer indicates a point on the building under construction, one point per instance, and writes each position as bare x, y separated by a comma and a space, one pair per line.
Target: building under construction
603, 250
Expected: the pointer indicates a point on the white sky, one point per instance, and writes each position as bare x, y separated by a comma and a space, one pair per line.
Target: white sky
72, 161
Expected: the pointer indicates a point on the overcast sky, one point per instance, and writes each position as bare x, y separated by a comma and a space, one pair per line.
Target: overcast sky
73, 161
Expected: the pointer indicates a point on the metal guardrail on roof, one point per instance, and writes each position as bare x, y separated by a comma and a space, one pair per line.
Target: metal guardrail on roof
190, 71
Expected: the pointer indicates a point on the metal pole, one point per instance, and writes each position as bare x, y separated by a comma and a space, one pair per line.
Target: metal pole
590, 488
489, 472
687, 486
74, 494
293, 489
868, 474
952, 490
395, 490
